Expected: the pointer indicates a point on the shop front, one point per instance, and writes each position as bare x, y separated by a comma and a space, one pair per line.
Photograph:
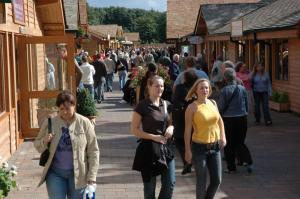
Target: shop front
36, 63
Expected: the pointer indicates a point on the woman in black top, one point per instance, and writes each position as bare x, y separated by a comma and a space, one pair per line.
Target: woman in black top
157, 131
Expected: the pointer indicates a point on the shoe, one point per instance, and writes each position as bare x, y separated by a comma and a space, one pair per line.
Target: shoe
122, 102
268, 123
99, 101
249, 168
230, 171
186, 169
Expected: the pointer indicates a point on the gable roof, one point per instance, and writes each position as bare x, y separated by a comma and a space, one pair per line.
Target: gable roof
223, 13
110, 29
132, 36
71, 14
277, 14
182, 15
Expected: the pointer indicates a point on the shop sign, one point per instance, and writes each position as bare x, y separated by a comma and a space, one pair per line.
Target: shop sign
18, 11
237, 28
195, 40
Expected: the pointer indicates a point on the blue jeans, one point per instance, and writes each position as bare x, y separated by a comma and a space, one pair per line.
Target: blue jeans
122, 78
262, 97
211, 160
168, 181
60, 184
109, 81
99, 89
90, 88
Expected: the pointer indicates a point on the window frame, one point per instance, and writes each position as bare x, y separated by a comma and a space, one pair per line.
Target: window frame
279, 49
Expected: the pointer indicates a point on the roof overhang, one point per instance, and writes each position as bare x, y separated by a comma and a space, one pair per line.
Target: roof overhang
51, 15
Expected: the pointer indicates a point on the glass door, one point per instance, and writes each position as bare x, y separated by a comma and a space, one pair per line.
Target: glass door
46, 68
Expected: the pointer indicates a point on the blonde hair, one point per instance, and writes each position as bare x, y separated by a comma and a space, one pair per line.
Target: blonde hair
151, 81
192, 92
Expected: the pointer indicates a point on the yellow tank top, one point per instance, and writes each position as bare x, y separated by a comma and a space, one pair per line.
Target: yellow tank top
205, 123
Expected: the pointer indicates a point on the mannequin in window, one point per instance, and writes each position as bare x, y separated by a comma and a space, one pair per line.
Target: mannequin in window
50, 75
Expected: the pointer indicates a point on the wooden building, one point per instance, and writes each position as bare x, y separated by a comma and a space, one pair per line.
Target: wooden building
270, 35
134, 37
36, 63
112, 32
181, 21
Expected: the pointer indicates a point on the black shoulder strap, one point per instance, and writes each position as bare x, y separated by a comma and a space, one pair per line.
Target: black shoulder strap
49, 128
232, 96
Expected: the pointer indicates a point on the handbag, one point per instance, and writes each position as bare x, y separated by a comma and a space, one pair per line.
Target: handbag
45, 155
165, 152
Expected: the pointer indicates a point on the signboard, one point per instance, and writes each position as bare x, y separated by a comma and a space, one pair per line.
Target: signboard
195, 40
237, 28
18, 11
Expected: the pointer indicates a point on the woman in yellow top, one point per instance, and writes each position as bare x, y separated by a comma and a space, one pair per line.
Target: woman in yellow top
202, 116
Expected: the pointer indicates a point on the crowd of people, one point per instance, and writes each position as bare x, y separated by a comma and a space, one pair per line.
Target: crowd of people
180, 103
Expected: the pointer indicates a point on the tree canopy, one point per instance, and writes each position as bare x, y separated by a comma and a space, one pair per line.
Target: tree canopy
150, 24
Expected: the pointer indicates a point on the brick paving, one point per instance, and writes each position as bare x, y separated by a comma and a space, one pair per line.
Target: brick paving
275, 151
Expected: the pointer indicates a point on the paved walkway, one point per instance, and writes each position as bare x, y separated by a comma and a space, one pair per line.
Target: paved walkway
275, 150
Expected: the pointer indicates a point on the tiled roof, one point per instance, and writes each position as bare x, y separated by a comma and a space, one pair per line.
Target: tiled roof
110, 29
277, 14
132, 36
71, 14
182, 15
216, 16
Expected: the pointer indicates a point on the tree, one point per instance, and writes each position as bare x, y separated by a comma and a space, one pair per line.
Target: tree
150, 24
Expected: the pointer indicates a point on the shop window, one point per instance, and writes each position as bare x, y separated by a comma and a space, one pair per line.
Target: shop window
2, 78
282, 58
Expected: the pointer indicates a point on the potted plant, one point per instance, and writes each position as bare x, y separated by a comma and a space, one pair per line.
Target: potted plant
7, 179
46, 107
279, 101
86, 105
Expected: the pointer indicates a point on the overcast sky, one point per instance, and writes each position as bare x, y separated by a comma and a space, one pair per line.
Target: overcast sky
160, 5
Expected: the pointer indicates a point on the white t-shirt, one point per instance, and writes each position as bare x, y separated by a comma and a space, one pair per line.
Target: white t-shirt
88, 72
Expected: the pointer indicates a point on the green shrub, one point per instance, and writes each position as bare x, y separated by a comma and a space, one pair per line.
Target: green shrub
284, 97
85, 104
275, 96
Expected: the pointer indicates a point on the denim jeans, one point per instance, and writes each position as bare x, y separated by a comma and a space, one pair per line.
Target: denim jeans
90, 88
211, 160
122, 78
168, 181
60, 184
109, 81
262, 97
99, 89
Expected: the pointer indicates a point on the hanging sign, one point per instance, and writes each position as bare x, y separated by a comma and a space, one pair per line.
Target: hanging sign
237, 28
18, 11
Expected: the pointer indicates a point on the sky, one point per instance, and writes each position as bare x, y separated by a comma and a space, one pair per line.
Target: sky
160, 5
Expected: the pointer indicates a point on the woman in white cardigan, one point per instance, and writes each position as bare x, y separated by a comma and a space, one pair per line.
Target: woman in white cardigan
74, 154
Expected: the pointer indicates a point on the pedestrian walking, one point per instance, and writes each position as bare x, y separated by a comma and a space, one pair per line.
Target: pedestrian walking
208, 138
88, 72
262, 89
155, 154
74, 154
110, 68
99, 78
233, 106
179, 107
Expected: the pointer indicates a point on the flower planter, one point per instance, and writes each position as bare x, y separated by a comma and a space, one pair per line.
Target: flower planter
281, 107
